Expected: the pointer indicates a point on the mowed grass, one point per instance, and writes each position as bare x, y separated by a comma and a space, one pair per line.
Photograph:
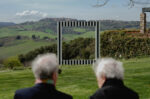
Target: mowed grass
79, 81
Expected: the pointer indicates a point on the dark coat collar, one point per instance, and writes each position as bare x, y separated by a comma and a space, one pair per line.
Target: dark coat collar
45, 86
113, 82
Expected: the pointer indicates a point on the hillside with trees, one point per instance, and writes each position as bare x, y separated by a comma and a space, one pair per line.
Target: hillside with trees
117, 43
25, 37
49, 25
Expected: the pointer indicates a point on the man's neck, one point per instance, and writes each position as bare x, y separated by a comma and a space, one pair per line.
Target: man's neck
48, 81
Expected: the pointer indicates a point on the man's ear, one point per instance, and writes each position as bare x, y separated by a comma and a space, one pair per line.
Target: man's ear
103, 77
54, 77
101, 81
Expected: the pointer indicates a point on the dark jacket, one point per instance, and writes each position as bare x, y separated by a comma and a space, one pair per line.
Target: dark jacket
114, 89
41, 91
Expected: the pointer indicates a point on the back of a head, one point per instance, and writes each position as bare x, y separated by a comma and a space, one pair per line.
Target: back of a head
110, 68
44, 66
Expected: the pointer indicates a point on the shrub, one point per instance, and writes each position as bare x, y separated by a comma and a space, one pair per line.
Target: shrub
12, 63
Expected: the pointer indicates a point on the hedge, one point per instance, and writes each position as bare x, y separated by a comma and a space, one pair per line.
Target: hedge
118, 44
122, 45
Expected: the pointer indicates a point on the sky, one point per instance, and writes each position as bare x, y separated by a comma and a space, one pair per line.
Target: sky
32, 10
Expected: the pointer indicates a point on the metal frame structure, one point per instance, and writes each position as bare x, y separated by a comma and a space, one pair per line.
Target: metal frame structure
62, 24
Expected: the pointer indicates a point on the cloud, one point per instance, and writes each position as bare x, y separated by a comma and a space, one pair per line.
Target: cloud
32, 13
29, 15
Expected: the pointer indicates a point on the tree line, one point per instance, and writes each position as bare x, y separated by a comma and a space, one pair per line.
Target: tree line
118, 44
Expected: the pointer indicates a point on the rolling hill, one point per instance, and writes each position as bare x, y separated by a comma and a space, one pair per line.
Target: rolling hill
30, 35
4, 24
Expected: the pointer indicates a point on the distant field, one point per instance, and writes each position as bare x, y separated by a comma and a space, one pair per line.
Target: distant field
24, 46
79, 81
21, 47
89, 34
79, 29
5, 32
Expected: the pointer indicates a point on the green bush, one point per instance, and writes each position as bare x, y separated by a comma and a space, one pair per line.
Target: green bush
12, 63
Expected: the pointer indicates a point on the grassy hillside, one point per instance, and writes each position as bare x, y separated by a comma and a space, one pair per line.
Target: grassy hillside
80, 32
136, 77
68, 37
20, 47
10, 46
8, 32
46, 28
4, 24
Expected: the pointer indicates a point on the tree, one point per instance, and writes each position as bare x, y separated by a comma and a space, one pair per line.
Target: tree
18, 37
131, 3
1, 44
33, 37
12, 62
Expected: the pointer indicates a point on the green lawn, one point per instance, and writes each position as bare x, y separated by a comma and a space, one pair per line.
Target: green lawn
79, 81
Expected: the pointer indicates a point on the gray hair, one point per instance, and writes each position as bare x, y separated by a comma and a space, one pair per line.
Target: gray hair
108, 67
44, 66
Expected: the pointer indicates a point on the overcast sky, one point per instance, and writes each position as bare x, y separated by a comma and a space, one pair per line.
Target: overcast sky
32, 10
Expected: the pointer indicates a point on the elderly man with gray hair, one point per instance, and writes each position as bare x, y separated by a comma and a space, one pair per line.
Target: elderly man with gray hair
45, 68
110, 74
